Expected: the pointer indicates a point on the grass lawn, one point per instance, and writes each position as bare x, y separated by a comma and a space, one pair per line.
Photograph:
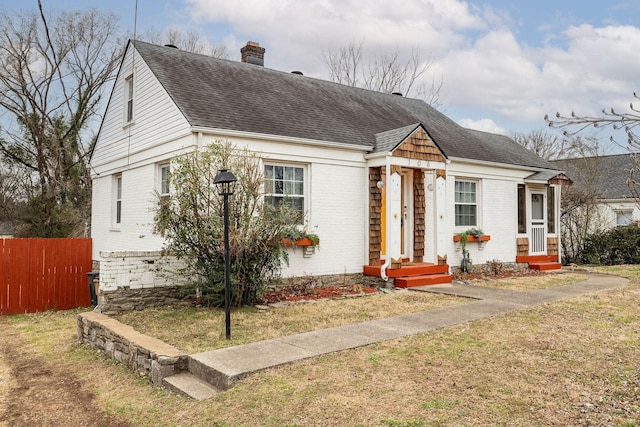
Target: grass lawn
568, 363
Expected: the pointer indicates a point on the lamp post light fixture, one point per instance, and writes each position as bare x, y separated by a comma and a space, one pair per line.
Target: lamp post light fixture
226, 180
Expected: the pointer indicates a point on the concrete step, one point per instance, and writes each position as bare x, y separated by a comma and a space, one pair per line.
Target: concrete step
429, 279
545, 266
190, 385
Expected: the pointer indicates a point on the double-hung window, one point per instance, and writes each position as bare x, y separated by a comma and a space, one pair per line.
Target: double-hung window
128, 93
163, 173
118, 199
284, 186
466, 209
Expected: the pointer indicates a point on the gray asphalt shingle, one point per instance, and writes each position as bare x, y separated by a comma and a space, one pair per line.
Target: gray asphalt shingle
223, 94
606, 176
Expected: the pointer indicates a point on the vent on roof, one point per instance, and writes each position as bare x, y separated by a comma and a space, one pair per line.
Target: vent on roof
171, 46
297, 72
252, 53
396, 93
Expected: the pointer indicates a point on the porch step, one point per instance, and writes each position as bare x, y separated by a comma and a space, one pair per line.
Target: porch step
545, 266
189, 385
536, 258
429, 279
410, 269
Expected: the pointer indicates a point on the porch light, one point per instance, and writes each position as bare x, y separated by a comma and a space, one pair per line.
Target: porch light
226, 180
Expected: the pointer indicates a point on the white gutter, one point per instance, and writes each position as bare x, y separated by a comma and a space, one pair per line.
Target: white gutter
502, 165
280, 138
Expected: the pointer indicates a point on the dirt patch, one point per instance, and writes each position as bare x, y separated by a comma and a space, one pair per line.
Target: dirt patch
483, 275
39, 392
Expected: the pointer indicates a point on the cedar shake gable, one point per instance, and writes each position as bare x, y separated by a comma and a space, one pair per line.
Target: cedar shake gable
230, 95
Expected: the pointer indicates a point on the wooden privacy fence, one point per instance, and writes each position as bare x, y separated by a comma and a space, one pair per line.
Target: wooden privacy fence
44, 274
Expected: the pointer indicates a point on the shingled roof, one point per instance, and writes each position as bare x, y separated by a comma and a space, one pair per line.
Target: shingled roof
222, 94
606, 176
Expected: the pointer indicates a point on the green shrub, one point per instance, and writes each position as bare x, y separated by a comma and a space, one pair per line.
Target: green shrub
620, 245
190, 219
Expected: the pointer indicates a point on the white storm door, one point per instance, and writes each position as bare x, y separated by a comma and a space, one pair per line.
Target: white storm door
538, 233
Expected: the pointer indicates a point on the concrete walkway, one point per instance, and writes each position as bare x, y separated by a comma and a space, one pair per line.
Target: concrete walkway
224, 367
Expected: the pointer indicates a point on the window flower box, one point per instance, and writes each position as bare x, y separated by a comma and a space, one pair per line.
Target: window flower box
472, 235
308, 242
483, 238
302, 241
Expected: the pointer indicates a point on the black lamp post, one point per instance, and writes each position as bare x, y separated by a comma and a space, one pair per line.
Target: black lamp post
226, 180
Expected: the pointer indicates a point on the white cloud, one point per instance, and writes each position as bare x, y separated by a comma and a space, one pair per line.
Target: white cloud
486, 125
474, 49
295, 33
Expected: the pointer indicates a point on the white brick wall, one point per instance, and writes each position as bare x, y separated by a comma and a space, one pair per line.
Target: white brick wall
138, 269
337, 209
497, 208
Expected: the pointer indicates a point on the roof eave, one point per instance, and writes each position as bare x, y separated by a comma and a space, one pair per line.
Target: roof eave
280, 138
502, 165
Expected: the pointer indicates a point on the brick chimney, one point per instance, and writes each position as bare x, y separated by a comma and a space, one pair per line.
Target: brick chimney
252, 53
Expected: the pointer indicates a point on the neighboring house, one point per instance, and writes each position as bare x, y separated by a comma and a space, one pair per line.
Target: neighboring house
606, 179
380, 177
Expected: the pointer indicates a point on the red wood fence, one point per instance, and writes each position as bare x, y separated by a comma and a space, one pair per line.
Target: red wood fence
44, 274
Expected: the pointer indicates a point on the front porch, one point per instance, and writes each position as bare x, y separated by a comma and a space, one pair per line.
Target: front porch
540, 262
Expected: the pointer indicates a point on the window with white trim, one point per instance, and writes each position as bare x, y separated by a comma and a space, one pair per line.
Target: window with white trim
466, 209
128, 94
117, 219
624, 217
284, 186
164, 171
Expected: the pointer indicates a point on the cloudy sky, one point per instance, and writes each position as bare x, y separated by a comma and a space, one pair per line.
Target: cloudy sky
504, 64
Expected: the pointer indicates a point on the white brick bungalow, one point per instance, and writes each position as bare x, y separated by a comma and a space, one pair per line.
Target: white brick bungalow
384, 176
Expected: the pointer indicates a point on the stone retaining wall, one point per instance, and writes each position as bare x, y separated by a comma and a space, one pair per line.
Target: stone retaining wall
141, 353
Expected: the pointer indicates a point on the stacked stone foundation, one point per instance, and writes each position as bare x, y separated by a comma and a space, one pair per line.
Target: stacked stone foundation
132, 280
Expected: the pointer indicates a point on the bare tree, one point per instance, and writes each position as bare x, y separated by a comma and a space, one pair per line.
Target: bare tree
553, 147
627, 121
384, 72
53, 75
11, 194
582, 214
189, 40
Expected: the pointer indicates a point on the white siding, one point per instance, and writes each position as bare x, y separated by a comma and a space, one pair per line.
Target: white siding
156, 119
135, 231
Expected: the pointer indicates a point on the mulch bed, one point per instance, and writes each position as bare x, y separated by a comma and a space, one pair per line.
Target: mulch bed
332, 292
